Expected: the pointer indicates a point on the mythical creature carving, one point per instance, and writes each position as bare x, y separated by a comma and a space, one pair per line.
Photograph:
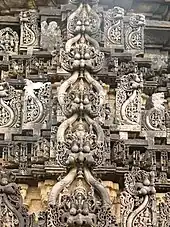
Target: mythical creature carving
36, 102
134, 33
138, 202
128, 99
9, 41
13, 213
10, 106
50, 35
154, 115
113, 27
29, 29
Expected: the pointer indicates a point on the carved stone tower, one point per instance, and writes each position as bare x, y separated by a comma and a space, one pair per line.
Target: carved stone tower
84, 113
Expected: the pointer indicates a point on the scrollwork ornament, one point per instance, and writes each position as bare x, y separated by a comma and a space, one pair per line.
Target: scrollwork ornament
10, 103
29, 29
154, 115
37, 101
128, 99
138, 202
134, 33
13, 213
113, 29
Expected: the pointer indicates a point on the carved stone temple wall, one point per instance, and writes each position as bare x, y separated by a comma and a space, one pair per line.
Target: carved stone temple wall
84, 113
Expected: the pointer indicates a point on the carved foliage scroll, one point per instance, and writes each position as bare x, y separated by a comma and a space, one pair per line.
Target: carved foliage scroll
29, 29
154, 115
128, 100
138, 203
134, 33
12, 212
113, 28
164, 211
10, 106
125, 32
36, 102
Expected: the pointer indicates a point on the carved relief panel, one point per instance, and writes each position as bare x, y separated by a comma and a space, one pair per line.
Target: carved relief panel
138, 201
113, 28
134, 33
10, 109
9, 41
128, 99
50, 35
36, 104
29, 29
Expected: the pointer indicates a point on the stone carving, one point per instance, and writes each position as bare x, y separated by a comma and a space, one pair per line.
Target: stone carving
50, 35
138, 203
10, 106
15, 155
90, 2
164, 211
36, 102
119, 153
13, 213
80, 208
134, 34
128, 99
74, 23
79, 199
11, 155
40, 151
113, 27
9, 41
29, 29
154, 115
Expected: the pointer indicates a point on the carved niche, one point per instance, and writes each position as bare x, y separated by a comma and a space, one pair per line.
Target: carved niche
79, 199
36, 102
9, 41
13, 213
29, 29
114, 27
138, 201
128, 98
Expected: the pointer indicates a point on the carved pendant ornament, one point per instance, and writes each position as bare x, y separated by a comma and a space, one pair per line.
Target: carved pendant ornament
79, 199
